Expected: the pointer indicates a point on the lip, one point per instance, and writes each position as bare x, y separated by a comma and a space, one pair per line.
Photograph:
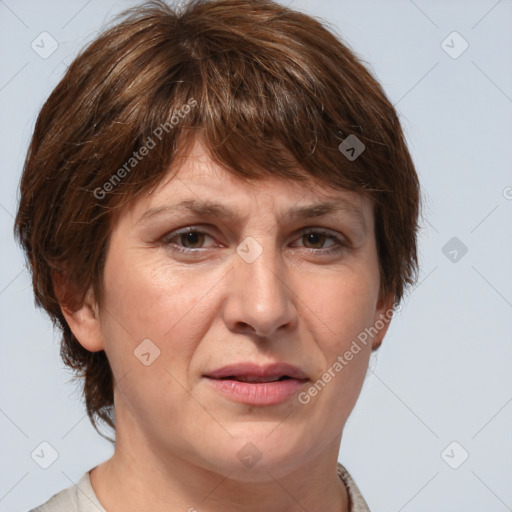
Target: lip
241, 382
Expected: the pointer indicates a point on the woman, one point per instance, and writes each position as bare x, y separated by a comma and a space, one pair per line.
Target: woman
220, 212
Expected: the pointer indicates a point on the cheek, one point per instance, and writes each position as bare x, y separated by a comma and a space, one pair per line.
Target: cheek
147, 299
340, 305
152, 318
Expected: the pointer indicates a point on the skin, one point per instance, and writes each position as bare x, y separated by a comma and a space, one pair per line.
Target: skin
177, 437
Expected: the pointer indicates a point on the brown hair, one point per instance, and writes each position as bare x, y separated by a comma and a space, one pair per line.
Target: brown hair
271, 92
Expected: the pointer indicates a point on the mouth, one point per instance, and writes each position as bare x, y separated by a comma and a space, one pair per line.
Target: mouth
252, 372
251, 384
255, 380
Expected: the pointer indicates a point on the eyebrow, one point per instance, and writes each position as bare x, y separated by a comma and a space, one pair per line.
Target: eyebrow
221, 211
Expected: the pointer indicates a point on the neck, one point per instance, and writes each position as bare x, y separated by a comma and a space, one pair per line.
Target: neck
140, 477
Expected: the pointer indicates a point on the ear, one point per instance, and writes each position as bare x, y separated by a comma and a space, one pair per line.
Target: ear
83, 320
382, 319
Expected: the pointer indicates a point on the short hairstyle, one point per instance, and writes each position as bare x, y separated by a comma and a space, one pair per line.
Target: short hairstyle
270, 91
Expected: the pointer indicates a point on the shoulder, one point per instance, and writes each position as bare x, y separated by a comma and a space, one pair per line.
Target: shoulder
64, 500
357, 502
79, 497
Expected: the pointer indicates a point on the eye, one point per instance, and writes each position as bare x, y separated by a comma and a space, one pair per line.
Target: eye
315, 240
186, 240
192, 239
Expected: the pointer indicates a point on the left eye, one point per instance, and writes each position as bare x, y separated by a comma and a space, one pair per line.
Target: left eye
192, 240
317, 239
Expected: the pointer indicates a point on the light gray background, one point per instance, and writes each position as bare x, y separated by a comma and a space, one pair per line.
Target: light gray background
443, 373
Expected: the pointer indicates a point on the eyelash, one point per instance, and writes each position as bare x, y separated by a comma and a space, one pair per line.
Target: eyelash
340, 245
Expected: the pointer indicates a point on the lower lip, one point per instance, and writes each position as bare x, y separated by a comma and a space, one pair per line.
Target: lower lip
257, 393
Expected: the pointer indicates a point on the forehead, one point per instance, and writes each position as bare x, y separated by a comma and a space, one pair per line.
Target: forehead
198, 183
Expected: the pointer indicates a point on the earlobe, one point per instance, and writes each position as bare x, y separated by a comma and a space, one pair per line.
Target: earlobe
84, 319
383, 316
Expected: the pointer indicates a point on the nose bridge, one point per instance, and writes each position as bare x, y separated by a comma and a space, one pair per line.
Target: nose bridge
259, 299
263, 273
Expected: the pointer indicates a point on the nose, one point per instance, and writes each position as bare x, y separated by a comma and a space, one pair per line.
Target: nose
259, 300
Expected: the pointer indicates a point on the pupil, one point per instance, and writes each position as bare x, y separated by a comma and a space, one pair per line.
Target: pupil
314, 238
191, 238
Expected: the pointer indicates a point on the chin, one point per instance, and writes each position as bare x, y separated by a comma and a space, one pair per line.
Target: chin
255, 456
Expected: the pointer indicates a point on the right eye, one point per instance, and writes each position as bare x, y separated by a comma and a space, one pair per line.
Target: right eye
186, 240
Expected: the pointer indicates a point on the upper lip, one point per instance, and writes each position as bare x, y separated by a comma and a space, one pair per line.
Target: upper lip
255, 371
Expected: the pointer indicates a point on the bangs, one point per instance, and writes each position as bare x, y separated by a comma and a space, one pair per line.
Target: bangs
254, 97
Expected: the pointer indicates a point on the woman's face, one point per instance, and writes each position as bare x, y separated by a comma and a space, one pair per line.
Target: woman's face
275, 280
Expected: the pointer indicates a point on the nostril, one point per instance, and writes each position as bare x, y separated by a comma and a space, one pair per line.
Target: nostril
245, 328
